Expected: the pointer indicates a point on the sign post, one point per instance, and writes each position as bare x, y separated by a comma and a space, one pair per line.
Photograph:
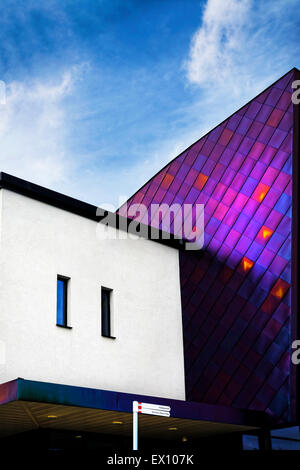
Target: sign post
135, 426
148, 409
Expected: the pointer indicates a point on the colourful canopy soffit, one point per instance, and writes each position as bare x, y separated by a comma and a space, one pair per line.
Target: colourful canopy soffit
239, 310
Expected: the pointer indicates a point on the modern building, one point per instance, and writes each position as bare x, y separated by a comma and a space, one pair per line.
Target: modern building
94, 317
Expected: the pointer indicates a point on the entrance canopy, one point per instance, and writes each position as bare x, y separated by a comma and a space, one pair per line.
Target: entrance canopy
26, 405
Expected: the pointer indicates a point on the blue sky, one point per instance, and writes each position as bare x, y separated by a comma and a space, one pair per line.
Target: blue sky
100, 94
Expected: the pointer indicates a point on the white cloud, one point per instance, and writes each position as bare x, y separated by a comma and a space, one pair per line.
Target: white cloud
242, 45
33, 124
216, 46
35, 133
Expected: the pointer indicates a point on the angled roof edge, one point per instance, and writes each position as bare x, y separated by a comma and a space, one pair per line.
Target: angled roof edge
89, 211
295, 69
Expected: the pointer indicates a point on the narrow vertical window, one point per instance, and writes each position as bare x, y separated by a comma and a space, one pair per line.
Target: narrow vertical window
106, 312
62, 301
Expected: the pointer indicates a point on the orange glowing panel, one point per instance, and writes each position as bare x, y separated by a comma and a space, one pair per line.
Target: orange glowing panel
167, 181
200, 181
247, 264
280, 288
264, 234
260, 192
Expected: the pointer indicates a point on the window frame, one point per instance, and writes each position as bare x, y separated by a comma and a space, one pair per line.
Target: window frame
106, 330
65, 280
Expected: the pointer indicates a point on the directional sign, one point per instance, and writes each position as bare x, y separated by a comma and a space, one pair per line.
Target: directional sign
151, 406
148, 411
151, 409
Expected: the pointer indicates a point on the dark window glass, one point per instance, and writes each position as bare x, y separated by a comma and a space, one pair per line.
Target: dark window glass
250, 442
286, 439
105, 312
61, 309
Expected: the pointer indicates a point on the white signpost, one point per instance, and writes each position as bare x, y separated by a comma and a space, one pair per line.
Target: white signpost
148, 409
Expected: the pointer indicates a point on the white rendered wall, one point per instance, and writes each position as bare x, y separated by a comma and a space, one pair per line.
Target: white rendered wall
38, 242
2, 343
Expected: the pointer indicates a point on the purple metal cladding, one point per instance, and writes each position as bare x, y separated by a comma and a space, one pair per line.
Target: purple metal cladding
236, 296
8, 391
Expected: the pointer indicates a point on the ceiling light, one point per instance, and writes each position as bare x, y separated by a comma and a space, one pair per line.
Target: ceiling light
117, 422
51, 416
173, 429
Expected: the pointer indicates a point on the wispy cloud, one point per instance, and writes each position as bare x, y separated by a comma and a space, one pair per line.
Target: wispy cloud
33, 125
242, 44
216, 46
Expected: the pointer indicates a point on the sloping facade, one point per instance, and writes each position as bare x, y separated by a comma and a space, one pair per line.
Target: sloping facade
239, 311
